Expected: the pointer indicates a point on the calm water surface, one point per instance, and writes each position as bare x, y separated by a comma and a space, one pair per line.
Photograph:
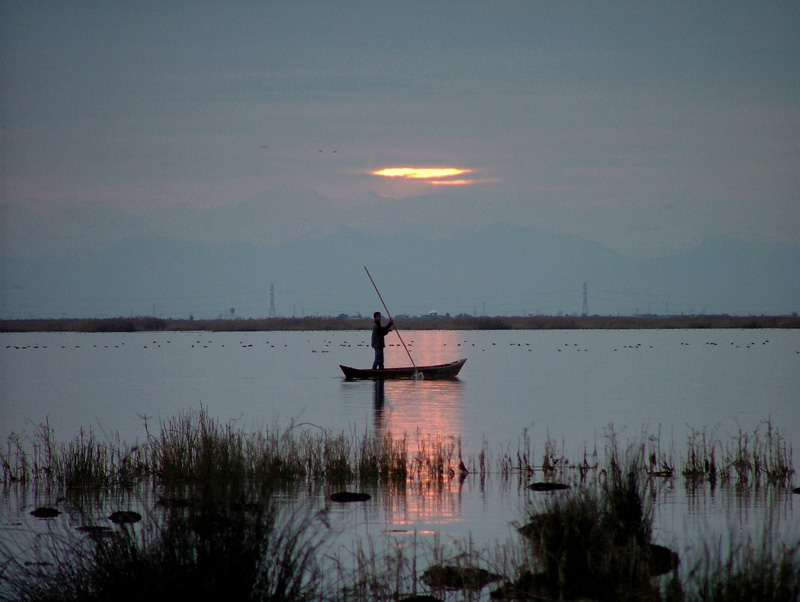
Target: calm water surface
566, 386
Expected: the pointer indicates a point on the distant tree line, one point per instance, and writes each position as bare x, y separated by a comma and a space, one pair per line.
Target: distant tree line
150, 324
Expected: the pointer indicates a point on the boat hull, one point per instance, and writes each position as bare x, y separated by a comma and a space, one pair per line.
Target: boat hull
450, 370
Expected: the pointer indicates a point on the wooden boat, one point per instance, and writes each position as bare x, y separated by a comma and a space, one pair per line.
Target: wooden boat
450, 370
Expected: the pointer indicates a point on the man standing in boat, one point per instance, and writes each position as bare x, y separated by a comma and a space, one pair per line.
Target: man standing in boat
378, 332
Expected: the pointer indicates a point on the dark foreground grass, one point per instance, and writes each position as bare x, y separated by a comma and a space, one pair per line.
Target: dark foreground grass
243, 547
746, 571
232, 543
219, 529
597, 542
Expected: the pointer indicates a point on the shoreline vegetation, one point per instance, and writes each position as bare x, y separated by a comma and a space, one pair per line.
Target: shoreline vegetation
207, 519
302, 452
437, 322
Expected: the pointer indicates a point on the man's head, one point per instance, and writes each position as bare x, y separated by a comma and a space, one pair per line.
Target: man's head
377, 316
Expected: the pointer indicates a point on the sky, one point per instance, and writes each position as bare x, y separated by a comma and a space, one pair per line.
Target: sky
647, 127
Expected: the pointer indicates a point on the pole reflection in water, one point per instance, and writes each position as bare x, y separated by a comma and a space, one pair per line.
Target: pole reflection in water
378, 399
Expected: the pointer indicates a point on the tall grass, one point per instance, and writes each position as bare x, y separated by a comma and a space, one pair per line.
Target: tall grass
14, 460
194, 446
760, 456
234, 543
383, 459
219, 529
85, 461
596, 542
748, 570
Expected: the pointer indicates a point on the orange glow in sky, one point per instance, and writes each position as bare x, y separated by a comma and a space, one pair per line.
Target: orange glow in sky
422, 173
459, 182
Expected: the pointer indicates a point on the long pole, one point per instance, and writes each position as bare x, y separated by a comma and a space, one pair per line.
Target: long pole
390, 317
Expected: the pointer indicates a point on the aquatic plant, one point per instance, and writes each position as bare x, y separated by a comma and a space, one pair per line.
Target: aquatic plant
14, 461
371, 572
218, 528
241, 547
747, 570
595, 542
759, 456
193, 446
435, 457
701, 460
383, 459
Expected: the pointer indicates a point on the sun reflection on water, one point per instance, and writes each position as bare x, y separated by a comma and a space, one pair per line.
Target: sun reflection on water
410, 408
428, 416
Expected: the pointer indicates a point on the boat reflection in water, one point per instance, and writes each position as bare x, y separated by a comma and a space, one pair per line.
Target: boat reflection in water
427, 415
406, 407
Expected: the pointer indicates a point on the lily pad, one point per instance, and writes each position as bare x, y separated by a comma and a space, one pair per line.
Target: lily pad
125, 516
546, 486
457, 577
45, 512
349, 496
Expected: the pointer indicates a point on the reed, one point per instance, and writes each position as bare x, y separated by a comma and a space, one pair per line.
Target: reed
218, 530
435, 457
408, 569
595, 542
747, 570
701, 456
382, 459
85, 461
219, 548
760, 456
193, 446
375, 572
14, 461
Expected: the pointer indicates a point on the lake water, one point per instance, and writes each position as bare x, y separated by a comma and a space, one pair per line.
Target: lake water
518, 388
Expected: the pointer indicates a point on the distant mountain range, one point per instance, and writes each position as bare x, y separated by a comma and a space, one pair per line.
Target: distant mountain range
497, 270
